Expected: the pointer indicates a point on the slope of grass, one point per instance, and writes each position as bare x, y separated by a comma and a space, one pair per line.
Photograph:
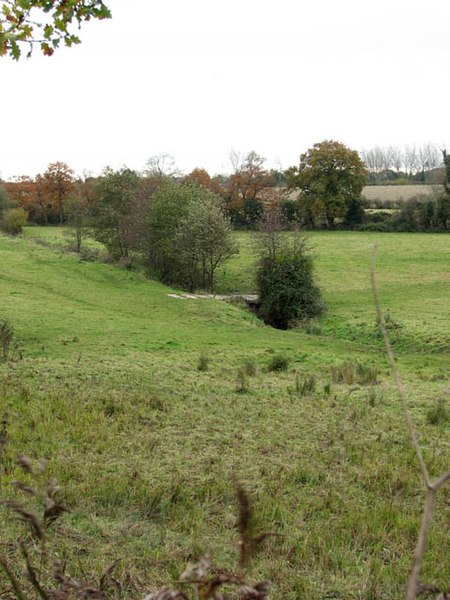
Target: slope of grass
147, 448
414, 280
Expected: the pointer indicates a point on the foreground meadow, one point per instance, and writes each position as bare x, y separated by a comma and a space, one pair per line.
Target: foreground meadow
148, 448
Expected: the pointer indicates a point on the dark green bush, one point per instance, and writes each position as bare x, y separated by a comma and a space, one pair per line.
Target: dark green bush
286, 288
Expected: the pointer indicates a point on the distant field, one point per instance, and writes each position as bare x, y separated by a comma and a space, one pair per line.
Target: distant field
398, 193
147, 448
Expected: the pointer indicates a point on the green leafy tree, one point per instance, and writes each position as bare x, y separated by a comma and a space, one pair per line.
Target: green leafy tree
167, 208
44, 23
204, 239
286, 287
188, 235
77, 211
328, 177
114, 212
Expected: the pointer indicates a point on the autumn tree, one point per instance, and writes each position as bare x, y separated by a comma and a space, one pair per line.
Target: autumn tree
42, 199
4, 200
202, 177
34, 196
59, 179
44, 23
20, 191
246, 187
328, 177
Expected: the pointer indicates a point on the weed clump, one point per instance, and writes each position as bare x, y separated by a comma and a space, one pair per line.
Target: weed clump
350, 373
203, 362
279, 362
306, 386
242, 382
439, 414
250, 368
8, 341
312, 327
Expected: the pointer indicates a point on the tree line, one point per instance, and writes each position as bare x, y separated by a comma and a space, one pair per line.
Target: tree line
407, 164
322, 191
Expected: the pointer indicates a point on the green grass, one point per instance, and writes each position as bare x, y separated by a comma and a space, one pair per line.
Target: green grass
147, 448
413, 278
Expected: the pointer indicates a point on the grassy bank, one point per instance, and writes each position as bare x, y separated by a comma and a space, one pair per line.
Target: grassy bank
147, 448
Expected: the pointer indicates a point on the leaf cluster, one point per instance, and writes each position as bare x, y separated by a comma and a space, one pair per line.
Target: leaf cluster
45, 23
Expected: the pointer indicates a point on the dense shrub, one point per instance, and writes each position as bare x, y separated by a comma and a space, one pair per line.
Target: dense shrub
13, 221
286, 288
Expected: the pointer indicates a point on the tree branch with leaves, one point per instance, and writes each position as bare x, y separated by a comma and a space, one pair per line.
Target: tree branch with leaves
44, 23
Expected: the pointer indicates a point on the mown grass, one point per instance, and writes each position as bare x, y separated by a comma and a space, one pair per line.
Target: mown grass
148, 448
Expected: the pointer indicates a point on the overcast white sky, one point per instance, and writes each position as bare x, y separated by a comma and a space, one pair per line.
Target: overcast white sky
196, 79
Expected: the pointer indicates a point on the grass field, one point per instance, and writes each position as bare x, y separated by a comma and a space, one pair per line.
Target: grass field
147, 448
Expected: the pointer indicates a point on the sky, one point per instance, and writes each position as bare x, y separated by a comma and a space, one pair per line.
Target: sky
198, 79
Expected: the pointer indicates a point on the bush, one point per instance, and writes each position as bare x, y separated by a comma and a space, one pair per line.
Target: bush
279, 362
287, 292
14, 220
